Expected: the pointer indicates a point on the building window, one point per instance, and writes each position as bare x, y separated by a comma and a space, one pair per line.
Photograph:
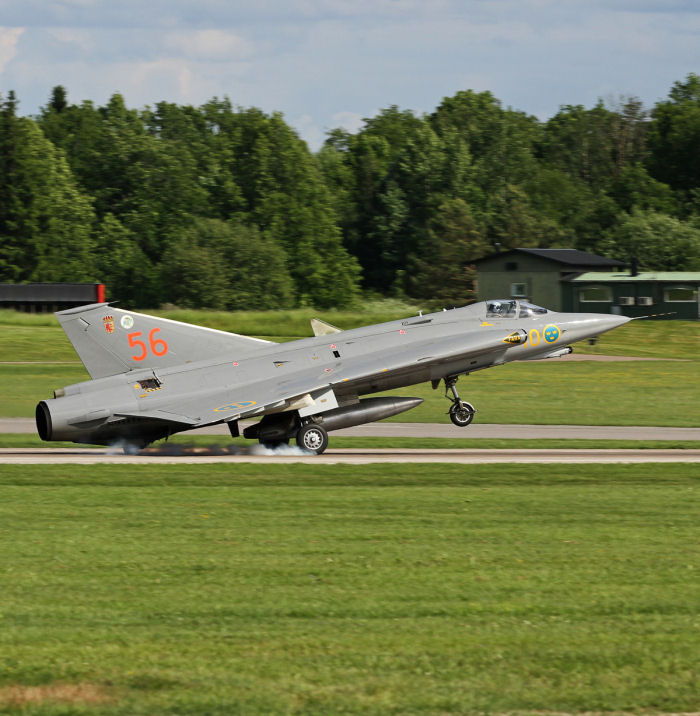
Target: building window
680, 294
511, 266
595, 294
518, 290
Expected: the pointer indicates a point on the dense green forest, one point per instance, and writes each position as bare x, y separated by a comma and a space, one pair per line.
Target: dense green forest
225, 207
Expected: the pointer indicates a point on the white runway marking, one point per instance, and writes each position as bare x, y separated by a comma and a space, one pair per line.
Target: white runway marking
81, 456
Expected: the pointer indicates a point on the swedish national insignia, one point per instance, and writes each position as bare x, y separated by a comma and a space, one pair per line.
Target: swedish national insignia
109, 323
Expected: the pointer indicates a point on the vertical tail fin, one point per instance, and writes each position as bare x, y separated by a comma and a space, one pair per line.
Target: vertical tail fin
110, 341
321, 328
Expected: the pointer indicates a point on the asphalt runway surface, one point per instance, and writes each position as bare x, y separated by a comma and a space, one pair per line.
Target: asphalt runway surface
474, 432
178, 455
470, 454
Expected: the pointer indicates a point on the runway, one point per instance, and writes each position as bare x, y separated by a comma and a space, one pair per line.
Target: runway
174, 455
475, 432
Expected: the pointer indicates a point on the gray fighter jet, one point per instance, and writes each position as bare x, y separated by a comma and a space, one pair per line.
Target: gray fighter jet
153, 377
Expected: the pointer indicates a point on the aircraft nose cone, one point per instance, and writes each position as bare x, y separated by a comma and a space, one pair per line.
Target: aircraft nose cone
611, 321
588, 325
593, 324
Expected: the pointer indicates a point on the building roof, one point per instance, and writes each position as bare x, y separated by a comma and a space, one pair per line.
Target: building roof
568, 257
675, 276
572, 257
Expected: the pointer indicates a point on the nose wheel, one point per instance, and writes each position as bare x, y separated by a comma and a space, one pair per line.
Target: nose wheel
461, 412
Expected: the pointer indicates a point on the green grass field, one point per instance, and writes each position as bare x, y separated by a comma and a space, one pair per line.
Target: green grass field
331, 589
542, 392
288, 323
38, 337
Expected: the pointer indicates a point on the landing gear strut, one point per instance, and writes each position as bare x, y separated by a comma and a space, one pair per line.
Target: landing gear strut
461, 412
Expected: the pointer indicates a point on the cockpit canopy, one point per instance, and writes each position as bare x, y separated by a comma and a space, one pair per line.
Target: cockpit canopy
513, 309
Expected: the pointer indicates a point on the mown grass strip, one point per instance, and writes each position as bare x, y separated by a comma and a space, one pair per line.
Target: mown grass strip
26, 336
543, 392
335, 589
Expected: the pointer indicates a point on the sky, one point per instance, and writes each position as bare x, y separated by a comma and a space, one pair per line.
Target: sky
331, 63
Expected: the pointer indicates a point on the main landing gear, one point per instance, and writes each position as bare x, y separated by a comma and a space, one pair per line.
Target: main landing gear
310, 437
277, 429
461, 412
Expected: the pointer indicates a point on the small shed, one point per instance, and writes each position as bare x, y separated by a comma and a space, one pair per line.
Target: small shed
40, 297
661, 292
536, 275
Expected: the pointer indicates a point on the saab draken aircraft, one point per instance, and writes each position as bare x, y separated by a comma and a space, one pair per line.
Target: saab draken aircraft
153, 377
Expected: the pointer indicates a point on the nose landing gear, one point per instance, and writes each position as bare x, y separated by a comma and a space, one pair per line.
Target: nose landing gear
461, 412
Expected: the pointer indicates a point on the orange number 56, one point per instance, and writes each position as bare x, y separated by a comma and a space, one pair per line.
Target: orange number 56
158, 346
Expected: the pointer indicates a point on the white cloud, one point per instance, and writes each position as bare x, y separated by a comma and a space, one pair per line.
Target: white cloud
9, 37
350, 121
308, 130
208, 45
330, 63
177, 80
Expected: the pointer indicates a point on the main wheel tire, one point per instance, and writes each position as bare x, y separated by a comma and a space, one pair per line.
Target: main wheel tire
312, 438
461, 414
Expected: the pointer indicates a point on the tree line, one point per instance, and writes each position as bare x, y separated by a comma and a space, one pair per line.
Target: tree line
225, 207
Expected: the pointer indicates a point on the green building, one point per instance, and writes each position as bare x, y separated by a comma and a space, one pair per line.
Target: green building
572, 280
676, 293
536, 275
